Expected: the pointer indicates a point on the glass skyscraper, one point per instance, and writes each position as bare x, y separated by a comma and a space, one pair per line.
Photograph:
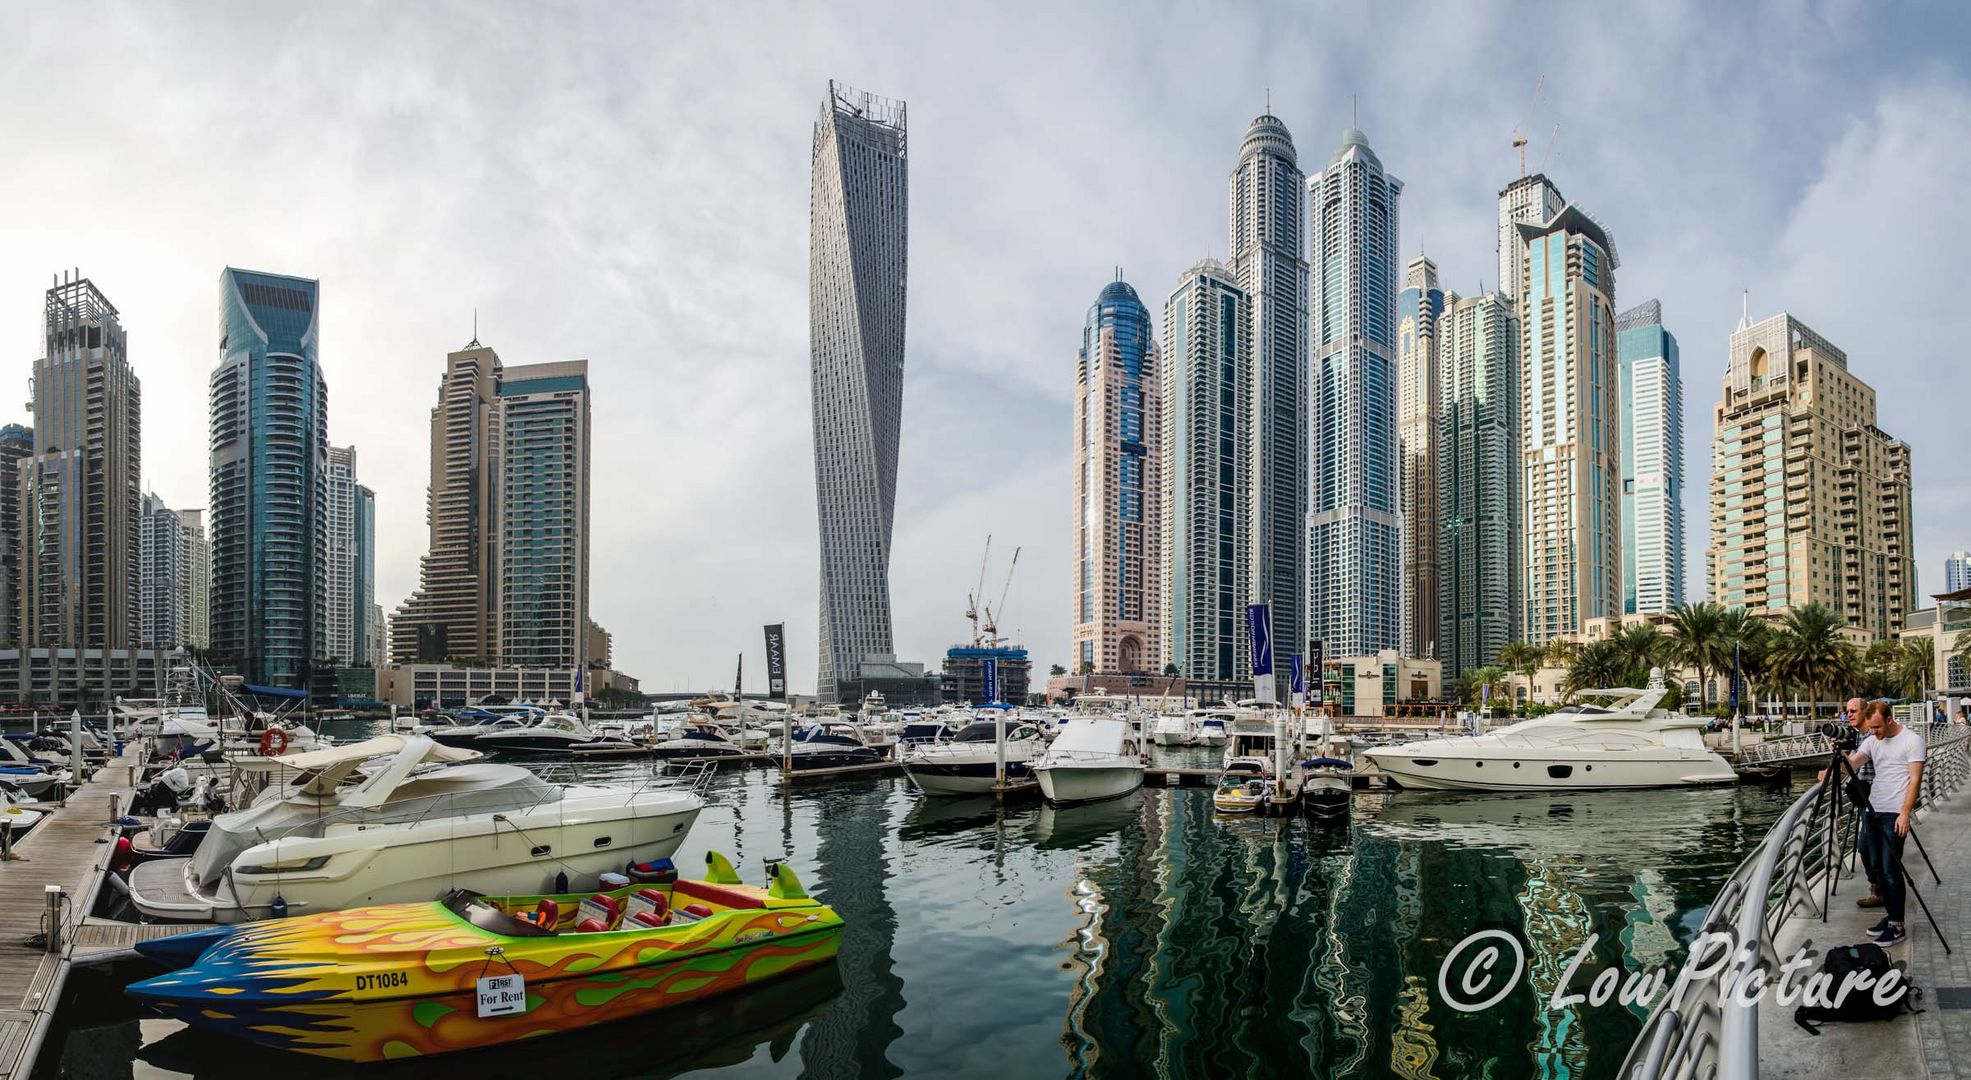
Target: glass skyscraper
1270, 265
269, 520
1118, 531
1417, 309
1353, 527
1206, 499
544, 515
1571, 426
858, 244
1652, 392
1477, 478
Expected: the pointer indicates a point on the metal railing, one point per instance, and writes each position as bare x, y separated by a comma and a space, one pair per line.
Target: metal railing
1709, 1034
1792, 748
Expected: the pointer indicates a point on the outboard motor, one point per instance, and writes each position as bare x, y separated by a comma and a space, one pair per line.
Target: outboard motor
163, 794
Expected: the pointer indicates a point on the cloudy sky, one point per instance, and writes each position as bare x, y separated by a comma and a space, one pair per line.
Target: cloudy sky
628, 183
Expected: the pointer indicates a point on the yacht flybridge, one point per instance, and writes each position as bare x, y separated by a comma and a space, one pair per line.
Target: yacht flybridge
1630, 744
418, 820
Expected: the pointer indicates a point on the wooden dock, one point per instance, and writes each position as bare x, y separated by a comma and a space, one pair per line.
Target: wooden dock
71, 848
790, 776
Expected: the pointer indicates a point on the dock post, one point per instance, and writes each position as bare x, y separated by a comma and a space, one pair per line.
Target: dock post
53, 895
6, 841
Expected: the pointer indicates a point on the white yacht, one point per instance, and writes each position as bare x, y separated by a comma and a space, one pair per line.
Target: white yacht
1178, 730
1632, 744
969, 763
1249, 744
1214, 725
1092, 758
428, 819
33, 778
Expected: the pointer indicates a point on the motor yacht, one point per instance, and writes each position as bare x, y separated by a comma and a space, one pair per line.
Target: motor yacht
555, 733
836, 744
1213, 725
1178, 730
969, 763
427, 819
1092, 758
35, 779
702, 739
1630, 744
1250, 742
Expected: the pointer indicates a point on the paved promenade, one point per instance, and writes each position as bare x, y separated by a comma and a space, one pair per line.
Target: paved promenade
1935, 1044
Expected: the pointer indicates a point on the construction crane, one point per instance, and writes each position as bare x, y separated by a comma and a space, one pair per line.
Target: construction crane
992, 615
972, 598
1519, 132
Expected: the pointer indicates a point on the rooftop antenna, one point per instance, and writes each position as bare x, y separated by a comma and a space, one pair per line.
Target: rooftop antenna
1269, 101
1355, 111
474, 343
1518, 136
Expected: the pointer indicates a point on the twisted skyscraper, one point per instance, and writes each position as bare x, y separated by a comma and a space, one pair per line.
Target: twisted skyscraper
857, 250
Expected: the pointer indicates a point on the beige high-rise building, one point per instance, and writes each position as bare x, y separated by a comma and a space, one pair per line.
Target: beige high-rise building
455, 610
1810, 501
1118, 560
1571, 426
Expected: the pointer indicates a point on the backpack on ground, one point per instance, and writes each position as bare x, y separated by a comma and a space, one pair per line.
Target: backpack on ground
1860, 1004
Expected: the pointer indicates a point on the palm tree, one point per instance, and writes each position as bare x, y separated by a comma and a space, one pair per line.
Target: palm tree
1598, 665
1641, 647
1914, 662
1697, 641
1520, 657
1750, 635
1809, 650
1560, 652
1478, 678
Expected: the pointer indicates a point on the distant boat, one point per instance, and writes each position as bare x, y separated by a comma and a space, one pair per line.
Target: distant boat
1091, 759
969, 763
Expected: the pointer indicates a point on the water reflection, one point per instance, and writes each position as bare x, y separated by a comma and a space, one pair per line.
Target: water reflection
1147, 936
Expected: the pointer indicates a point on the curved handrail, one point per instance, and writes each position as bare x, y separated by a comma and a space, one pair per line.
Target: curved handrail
1708, 1034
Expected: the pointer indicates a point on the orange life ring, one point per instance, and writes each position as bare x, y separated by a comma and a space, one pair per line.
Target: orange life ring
273, 742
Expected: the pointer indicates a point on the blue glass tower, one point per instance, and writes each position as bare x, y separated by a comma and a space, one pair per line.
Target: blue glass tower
269, 415
1652, 392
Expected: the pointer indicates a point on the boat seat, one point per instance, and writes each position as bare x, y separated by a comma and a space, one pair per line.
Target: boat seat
691, 913
600, 908
724, 896
545, 914
646, 904
591, 926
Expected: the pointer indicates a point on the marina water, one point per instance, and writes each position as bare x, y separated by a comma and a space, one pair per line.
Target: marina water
1144, 936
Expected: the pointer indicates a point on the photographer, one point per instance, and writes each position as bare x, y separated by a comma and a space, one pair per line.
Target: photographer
1856, 717
1897, 754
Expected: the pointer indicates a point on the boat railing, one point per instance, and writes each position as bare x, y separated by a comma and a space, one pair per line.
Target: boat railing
1059, 757
1708, 1032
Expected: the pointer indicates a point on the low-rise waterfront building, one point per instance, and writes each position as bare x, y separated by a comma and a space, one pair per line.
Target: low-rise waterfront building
423, 686
1944, 624
1375, 685
86, 679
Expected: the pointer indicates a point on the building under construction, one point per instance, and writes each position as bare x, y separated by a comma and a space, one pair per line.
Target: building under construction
964, 674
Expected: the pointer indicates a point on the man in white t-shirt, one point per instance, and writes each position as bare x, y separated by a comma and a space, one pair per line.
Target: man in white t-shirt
1897, 754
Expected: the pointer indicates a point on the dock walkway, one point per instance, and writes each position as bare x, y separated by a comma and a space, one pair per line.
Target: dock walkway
69, 848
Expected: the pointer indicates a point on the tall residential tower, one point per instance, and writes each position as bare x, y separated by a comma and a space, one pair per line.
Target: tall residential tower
1810, 501
1571, 426
1354, 558
82, 499
1269, 262
269, 415
858, 244
1417, 393
1206, 497
544, 515
1529, 200
1117, 449
1652, 392
1478, 467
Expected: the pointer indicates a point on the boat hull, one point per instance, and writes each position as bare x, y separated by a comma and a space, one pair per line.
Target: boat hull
399, 981
1547, 772
963, 778
1064, 784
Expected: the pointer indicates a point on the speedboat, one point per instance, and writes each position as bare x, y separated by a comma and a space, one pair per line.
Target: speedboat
1173, 730
1092, 758
969, 763
700, 740
1327, 787
1213, 725
13, 815
1632, 744
1241, 793
467, 971
555, 733
836, 744
427, 819
35, 779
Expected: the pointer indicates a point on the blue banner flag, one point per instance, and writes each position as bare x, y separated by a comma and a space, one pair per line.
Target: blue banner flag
1737, 680
1299, 681
1259, 633
989, 674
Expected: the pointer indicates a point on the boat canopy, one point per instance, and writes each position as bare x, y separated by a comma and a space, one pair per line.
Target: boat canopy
355, 753
1092, 735
274, 691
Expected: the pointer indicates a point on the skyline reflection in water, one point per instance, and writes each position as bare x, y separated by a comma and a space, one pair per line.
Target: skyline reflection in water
1146, 936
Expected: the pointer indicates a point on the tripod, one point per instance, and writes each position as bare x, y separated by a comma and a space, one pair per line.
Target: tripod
1834, 787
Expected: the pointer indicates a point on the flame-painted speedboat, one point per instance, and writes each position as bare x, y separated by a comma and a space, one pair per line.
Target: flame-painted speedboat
406, 980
